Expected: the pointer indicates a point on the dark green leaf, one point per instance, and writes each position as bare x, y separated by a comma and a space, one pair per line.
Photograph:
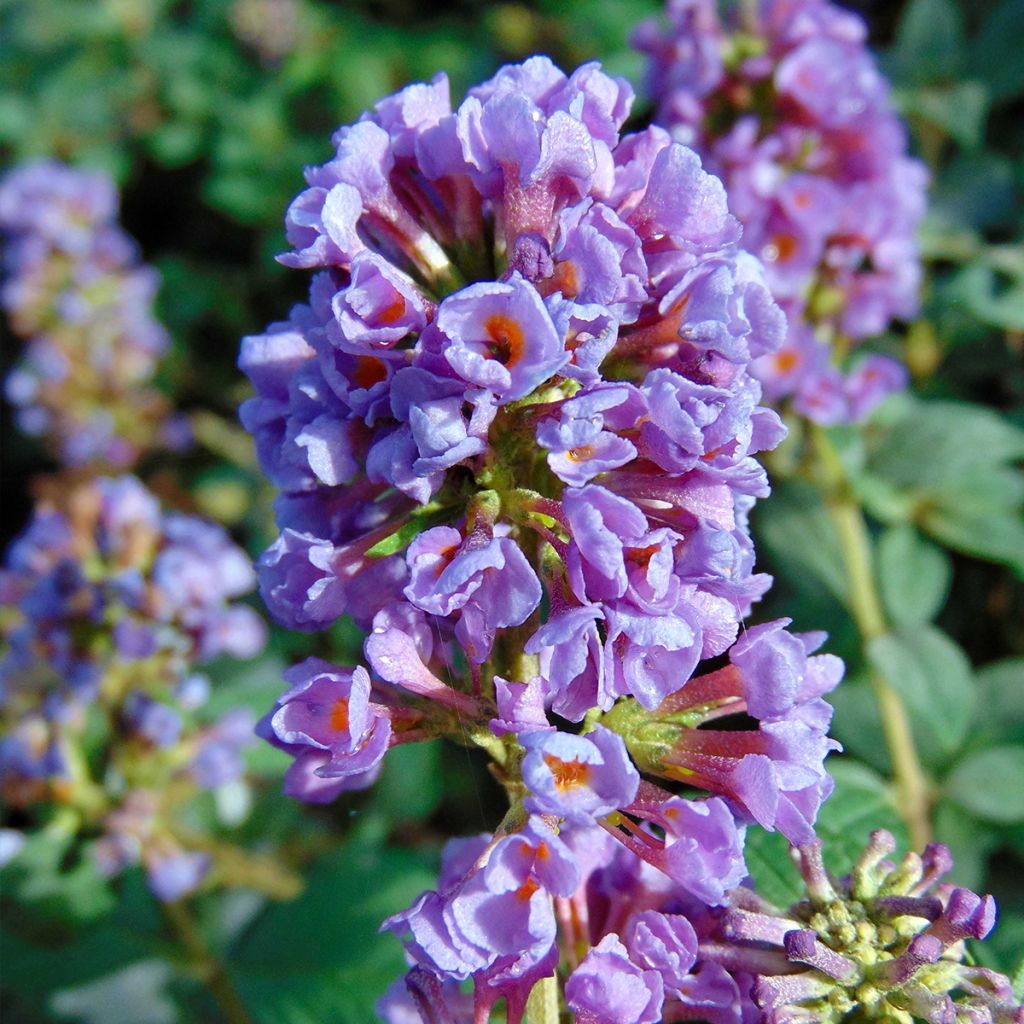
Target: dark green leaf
995, 56
409, 788
960, 109
933, 677
857, 723
321, 957
990, 784
929, 40
767, 856
797, 528
1001, 699
59, 879
926, 444
860, 804
914, 576
135, 994
970, 841
996, 537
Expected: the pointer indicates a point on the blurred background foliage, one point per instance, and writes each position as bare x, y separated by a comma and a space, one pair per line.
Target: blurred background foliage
205, 113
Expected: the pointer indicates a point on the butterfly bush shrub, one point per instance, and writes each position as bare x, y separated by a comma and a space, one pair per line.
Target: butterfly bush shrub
513, 429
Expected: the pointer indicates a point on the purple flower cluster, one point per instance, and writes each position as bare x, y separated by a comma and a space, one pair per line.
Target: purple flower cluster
106, 604
585, 413
514, 430
884, 943
785, 103
73, 288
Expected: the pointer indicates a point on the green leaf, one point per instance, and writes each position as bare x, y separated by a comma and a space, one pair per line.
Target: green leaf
858, 724
1001, 699
913, 574
990, 784
136, 994
798, 530
960, 109
928, 444
995, 51
933, 677
409, 788
860, 804
929, 40
996, 537
994, 298
976, 190
321, 956
41, 875
971, 842
767, 856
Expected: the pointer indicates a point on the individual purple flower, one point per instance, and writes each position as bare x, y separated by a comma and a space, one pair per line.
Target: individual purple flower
608, 988
489, 582
702, 849
578, 778
520, 707
328, 723
501, 907
665, 943
378, 308
500, 337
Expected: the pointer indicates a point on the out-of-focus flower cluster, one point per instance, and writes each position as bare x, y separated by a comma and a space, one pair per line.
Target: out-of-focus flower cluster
784, 102
73, 288
106, 605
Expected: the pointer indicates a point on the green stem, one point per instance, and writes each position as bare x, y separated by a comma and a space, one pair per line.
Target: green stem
222, 438
869, 617
210, 970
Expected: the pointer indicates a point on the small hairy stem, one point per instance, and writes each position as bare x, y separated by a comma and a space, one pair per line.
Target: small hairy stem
244, 870
869, 617
223, 438
209, 969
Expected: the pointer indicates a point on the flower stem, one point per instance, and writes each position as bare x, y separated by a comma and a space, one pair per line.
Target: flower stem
869, 618
210, 970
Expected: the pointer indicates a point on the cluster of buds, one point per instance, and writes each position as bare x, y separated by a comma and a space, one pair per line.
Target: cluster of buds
514, 429
784, 102
885, 943
75, 291
106, 604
